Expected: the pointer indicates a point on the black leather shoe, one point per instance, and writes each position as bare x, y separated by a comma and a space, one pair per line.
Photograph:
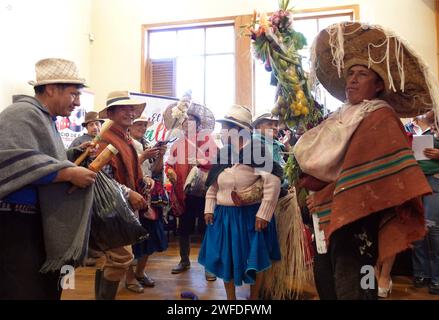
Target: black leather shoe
433, 288
181, 267
146, 281
421, 282
209, 276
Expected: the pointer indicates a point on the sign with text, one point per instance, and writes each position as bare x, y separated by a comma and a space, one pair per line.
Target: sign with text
155, 106
71, 127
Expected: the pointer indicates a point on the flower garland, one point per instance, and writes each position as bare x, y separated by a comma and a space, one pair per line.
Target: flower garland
276, 44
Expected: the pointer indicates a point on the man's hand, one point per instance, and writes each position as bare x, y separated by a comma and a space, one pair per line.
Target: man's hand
137, 201
310, 203
79, 176
89, 144
431, 153
151, 153
208, 218
260, 224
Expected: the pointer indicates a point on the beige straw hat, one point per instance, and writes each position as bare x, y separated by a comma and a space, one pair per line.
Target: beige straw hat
263, 117
238, 115
409, 86
54, 70
122, 98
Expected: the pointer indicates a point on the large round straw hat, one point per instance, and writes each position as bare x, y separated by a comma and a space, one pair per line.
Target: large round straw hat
202, 113
122, 98
409, 86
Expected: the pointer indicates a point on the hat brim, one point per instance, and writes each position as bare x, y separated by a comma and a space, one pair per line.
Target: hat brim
259, 121
84, 124
57, 81
206, 117
142, 120
138, 107
239, 124
365, 45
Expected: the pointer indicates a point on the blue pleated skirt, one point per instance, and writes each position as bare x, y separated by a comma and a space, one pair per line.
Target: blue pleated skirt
233, 250
157, 241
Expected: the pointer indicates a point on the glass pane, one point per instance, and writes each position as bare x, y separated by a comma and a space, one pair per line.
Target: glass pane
162, 44
190, 75
220, 40
190, 42
308, 27
264, 92
220, 83
323, 97
326, 22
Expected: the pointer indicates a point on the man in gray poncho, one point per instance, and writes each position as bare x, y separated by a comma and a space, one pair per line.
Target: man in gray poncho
42, 228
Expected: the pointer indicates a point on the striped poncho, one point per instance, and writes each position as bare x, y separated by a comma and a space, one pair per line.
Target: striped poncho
31, 148
379, 174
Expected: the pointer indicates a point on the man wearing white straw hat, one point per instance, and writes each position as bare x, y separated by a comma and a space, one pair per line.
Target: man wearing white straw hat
126, 170
359, 162
42, 227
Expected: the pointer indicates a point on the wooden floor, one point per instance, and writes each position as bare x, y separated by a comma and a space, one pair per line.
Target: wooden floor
170, 286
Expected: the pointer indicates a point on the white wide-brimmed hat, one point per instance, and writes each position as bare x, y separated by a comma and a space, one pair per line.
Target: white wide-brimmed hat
410, 87
122, 98
143, 118
263, 117
55, 70
238, 115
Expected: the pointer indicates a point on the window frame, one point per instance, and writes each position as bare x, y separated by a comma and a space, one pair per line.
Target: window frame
242, 90
244, 63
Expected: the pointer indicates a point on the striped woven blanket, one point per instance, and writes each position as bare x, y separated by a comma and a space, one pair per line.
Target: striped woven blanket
379, 173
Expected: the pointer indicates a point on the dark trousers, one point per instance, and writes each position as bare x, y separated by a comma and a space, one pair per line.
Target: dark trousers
194, 210
338, 273
22, 254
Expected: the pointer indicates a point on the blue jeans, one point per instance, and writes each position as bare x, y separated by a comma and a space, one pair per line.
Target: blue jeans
425, 255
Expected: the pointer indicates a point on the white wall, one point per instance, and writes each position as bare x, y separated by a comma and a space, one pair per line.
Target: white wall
34, 29
116, 25
31, 30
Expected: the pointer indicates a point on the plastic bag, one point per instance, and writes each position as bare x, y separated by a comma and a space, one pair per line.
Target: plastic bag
113, 223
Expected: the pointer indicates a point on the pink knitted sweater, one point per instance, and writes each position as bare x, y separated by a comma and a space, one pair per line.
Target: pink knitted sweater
242, 176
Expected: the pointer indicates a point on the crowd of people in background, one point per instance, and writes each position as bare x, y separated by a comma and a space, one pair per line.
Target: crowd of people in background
366, 193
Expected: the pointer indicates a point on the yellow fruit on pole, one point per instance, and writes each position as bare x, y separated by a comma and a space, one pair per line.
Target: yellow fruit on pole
300, 95
280, 101
297, 112
305, 111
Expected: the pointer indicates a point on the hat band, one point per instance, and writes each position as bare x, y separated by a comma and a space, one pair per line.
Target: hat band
239, 121
111, 101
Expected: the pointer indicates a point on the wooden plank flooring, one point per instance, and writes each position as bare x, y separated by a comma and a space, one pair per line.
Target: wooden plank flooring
169, 286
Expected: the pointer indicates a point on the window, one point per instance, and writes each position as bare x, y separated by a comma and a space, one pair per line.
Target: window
310, 24
197, 58
210, 58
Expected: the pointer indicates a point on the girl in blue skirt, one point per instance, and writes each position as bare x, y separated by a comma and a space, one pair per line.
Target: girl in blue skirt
244, 185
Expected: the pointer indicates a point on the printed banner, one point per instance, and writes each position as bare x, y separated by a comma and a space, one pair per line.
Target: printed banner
71, 127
